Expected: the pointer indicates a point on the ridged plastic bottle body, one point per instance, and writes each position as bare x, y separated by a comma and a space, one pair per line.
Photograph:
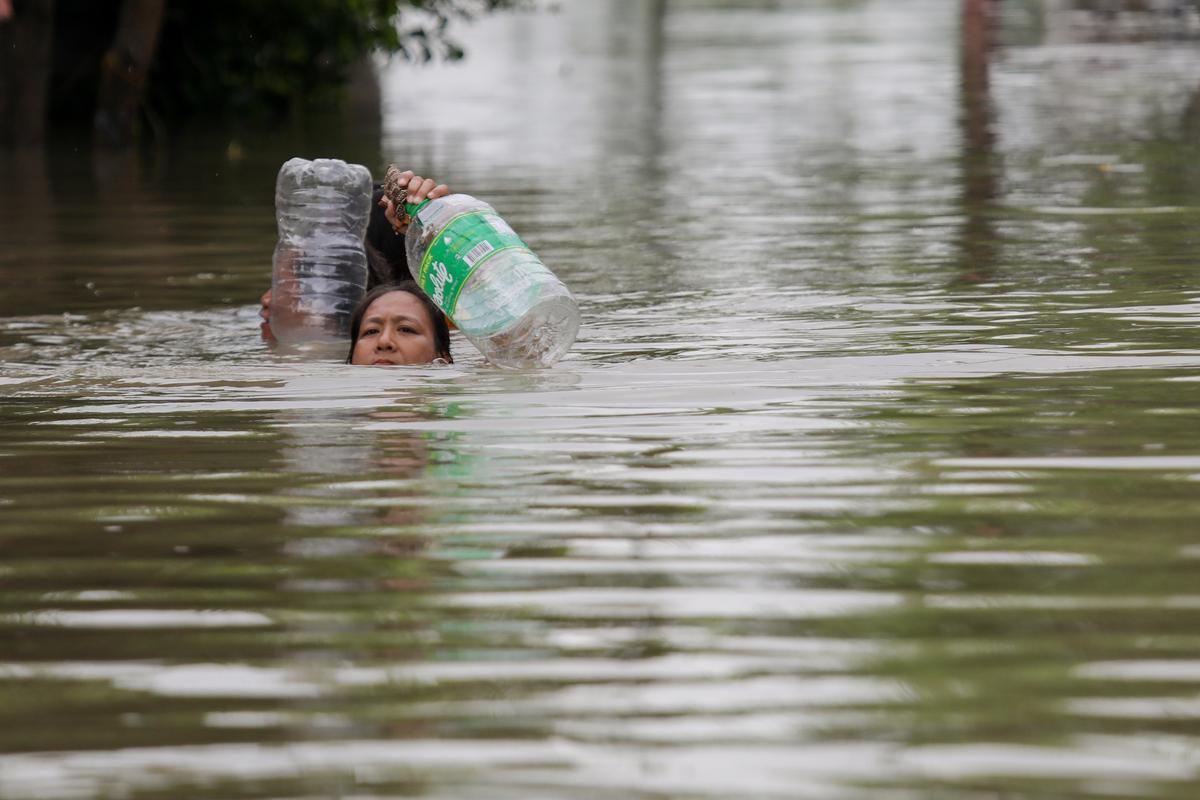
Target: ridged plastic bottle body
320, 265
512, 307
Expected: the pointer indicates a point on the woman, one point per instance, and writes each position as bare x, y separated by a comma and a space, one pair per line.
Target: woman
398, 324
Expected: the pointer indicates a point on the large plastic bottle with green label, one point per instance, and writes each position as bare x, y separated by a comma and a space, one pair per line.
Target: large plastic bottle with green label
495, 289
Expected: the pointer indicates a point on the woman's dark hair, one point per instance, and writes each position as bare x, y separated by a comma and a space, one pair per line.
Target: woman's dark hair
387, 261
441, 331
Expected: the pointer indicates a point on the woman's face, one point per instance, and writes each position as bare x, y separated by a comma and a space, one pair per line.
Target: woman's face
395, 329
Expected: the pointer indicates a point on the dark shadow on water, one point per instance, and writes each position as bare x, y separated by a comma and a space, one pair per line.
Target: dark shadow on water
181, 224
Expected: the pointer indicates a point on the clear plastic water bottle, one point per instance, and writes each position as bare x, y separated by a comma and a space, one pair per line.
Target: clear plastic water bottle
495, 289
320, 269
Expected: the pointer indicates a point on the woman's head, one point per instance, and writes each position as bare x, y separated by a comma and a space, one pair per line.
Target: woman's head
397, 324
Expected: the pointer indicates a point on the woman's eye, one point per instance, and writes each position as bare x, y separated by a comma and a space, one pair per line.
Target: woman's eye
407, 329
369, 332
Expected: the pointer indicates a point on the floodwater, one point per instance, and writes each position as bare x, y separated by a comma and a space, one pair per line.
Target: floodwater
875, 471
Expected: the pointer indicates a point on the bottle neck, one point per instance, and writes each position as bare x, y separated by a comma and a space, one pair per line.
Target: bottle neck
413, 208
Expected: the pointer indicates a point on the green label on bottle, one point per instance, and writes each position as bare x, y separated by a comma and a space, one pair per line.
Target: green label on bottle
466, 242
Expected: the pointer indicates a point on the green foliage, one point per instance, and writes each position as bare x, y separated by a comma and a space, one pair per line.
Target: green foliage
270, 58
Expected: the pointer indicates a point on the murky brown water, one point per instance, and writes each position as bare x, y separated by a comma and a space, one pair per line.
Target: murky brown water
874, 472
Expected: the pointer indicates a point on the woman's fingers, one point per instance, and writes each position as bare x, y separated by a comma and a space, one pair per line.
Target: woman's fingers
265, 302
419, 188
389, 213
406, 177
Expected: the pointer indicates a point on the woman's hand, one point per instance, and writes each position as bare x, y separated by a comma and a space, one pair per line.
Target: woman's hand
265, 313
419, 190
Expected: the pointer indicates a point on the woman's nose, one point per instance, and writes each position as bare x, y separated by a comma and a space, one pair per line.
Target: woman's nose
385, 341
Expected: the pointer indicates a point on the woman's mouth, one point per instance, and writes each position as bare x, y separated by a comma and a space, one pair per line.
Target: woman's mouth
377, 362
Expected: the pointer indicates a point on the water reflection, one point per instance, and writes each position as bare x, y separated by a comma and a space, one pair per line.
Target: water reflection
872, 473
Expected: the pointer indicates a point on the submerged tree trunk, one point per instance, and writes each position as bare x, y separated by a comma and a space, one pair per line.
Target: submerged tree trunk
124, 69
979, 163
25, 49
